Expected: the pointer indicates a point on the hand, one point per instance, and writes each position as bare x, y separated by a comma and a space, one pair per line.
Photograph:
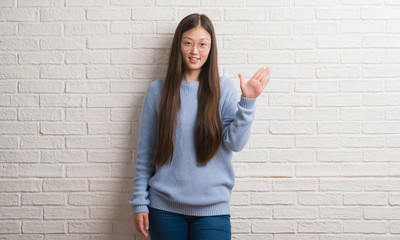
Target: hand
254, 87
138, 219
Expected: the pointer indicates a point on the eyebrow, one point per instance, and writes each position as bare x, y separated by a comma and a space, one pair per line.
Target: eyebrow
200, 38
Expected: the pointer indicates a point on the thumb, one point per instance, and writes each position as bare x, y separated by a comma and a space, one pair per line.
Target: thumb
242, 81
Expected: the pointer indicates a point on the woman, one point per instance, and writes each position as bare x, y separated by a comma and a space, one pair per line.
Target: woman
190, 124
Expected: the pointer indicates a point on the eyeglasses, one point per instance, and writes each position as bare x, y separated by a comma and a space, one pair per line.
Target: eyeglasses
202, 47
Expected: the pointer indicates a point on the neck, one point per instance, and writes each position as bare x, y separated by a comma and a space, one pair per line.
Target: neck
193, 75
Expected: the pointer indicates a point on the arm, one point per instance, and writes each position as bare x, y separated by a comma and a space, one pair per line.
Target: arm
146, 148
236, 122
237, 118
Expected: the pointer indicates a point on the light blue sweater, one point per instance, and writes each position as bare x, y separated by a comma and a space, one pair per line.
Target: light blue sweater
183, 187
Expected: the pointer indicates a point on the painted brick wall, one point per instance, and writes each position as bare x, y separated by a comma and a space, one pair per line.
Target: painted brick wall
323, 162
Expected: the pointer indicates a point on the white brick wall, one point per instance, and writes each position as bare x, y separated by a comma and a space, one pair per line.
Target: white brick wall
323, 160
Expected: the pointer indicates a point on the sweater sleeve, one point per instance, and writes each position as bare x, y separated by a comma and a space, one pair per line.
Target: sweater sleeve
237, 118
145, 152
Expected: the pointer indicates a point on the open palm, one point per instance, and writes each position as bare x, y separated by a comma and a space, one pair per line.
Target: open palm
255, 86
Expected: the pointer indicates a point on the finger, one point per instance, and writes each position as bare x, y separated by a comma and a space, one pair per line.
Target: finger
264, 74
140, 227
256, 76
146, 221
264, 84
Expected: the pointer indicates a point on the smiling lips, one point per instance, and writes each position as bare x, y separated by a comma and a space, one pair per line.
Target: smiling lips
194, 60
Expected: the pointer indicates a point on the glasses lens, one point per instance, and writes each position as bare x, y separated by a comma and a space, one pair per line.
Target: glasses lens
201, 46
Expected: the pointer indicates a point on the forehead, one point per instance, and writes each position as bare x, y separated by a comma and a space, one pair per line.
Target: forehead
198, 33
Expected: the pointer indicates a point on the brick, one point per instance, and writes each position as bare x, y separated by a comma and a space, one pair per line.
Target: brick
251, 212
10, 227
338, 127
292, 43
316, 3
320, 227
40, 114
291, 14
294, 100
292, 128
62, 156
153, 13
295, 185
33, 3
62, 213
40, 29
362, 114
42, 142
258, 141
315, 28
320, 199
87, 87
108, 14
380, 13
87, 142
86, 3
366, 227
316, 114
292, 155
19, 15
338, 100
9, 142
63, 44
87, 115
19, 156
42, 199
272, 199
347, 213
273, 227
339, 41
317, 141
271, 170
9, 199
338, 72
8, 73
341, 185
76, 171
295, 213
363, 141
92, 57
317, 170
136, 27
63, 15
376, 199
338, 14
363, 27
41, 87
253, 184
40, 170
60, 185
109, 42
20, 185
245, 14
317, 86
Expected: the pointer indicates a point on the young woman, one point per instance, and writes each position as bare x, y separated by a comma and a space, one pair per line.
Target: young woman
190, 124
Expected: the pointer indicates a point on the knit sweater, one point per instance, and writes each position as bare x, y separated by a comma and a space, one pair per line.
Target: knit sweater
184, 187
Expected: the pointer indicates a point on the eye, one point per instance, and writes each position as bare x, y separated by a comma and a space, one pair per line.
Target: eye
188, 43
203, 45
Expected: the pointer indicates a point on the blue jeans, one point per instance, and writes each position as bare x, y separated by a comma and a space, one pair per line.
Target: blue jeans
165, 225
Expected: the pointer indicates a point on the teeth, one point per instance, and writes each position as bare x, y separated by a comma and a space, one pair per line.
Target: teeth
194, 58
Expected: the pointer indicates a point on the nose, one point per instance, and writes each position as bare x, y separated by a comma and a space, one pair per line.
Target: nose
194, 49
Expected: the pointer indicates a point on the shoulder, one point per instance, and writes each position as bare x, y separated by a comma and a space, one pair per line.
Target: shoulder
155, 87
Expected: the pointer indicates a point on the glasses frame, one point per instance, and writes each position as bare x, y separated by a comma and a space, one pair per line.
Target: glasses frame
189, 48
